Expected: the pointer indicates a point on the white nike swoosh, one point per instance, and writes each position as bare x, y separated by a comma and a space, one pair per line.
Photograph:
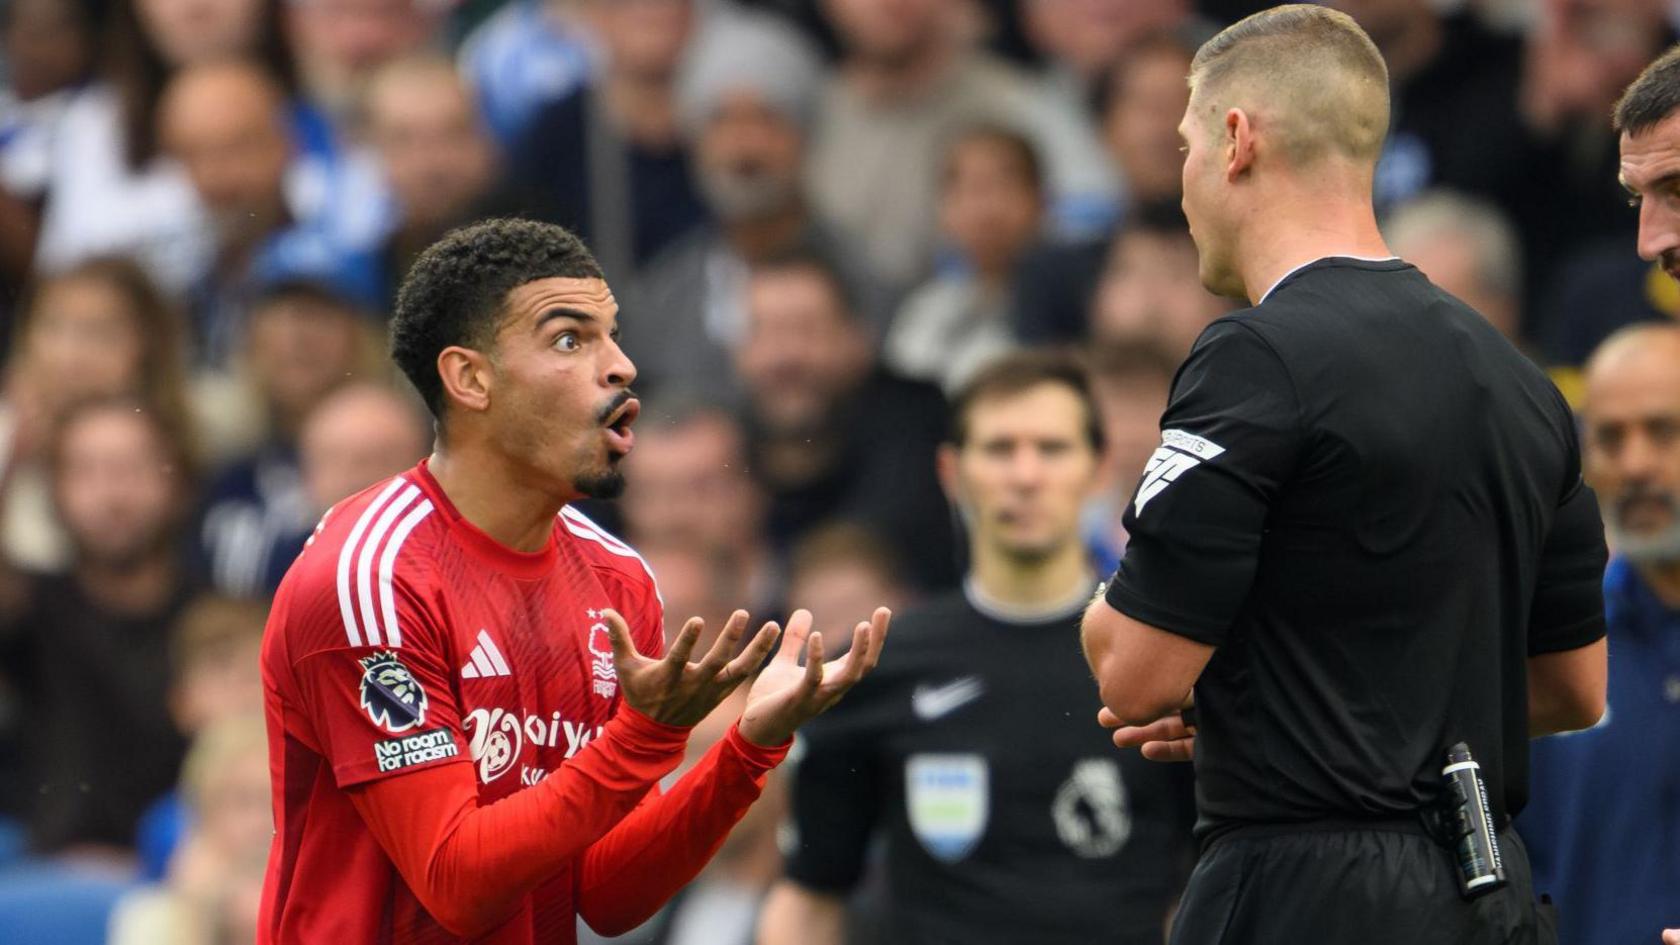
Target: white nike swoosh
932, 702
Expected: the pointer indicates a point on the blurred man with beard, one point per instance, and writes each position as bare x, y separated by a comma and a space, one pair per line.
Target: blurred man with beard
745, 106
1598, 794
87, 654
829, 433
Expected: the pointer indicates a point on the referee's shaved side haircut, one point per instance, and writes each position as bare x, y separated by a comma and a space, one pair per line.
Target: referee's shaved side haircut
1310, 70
1652, 97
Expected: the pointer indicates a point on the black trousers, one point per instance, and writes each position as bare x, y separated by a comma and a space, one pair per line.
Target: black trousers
1352, 887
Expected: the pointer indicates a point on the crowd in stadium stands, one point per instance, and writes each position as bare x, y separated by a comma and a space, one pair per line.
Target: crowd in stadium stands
820, 218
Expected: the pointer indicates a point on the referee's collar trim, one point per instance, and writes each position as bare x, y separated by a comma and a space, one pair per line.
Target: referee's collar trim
1314, 262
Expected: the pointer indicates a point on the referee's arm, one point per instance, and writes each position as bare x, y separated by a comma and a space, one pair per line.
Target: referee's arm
1568, 660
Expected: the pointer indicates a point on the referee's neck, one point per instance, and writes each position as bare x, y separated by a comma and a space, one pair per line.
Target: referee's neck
1294, 229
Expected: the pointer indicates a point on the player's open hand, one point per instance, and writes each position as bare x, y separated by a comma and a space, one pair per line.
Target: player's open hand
786, 695
1165, 739
675, 691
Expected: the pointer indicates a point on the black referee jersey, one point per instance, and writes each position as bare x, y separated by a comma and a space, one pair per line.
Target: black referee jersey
1007, 814
1371, 504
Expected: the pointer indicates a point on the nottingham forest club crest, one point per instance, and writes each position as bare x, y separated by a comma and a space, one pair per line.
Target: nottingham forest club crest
603, 671
391, 695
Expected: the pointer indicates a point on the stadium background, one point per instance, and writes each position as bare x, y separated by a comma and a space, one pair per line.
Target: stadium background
817, 215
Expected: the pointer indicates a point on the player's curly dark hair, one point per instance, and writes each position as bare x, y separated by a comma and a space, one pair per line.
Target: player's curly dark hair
455, 292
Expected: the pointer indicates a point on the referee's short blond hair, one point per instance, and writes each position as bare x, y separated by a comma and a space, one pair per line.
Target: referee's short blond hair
1309, 72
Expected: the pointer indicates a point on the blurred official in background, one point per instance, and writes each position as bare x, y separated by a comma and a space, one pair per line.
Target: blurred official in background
1005, 819
1351, 590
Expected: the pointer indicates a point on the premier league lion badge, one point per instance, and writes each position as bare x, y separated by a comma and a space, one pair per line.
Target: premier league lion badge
390, 694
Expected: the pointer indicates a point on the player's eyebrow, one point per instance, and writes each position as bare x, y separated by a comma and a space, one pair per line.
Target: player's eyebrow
574, 314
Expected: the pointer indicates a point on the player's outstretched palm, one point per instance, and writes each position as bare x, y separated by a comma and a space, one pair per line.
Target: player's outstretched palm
786, 695
675, 691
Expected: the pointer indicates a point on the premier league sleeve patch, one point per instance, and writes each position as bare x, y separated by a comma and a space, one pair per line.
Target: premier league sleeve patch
393, 698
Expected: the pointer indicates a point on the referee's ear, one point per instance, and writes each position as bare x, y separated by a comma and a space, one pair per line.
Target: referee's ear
949, 480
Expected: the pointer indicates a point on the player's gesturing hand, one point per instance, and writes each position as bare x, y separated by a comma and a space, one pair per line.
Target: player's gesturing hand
786, 695
1166, 739
675, 691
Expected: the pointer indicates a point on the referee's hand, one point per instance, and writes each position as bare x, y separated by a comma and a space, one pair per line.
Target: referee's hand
1168, 738
671, 689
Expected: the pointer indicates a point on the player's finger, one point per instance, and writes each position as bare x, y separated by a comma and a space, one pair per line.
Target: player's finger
1107, 719
1177, 749
724, 645
867, 639
683, 646
794, 637
753, 656
812, 680
618, 633
849, 669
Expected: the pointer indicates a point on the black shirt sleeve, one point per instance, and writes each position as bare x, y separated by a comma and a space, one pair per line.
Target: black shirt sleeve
835, 804
1230, 438
1568, 610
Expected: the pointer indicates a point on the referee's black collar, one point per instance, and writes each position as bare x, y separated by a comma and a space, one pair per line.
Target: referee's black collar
1380, 264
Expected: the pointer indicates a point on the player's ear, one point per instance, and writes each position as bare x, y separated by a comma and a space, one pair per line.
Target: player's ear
467, 378
1239, 143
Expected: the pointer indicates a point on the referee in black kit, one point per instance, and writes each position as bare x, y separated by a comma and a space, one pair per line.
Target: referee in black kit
1363, 541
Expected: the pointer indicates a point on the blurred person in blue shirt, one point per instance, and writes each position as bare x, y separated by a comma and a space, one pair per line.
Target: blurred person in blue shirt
271, 217
1602, 822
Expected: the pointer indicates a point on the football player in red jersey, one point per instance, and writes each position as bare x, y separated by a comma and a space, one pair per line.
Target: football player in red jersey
467, 707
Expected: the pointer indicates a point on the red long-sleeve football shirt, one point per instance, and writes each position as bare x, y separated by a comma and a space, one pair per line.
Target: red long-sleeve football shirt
450, 758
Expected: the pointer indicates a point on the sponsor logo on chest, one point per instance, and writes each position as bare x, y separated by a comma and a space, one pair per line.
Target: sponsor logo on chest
498, 737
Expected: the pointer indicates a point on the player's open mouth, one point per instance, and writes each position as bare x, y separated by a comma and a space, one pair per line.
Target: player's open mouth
619, 437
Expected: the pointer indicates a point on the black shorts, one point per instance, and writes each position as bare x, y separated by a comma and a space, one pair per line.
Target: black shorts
1352, 887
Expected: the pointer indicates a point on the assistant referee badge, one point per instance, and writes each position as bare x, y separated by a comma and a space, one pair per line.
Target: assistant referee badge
393, 698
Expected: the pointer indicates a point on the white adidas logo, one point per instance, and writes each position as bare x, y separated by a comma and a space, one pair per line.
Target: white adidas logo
486, 659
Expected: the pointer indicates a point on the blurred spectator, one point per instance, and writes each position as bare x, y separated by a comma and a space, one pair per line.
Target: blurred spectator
213, 675
1131, 383
1468, 248
907, 81
608, 161
830, 434
436, 154
88, 653
1002, 819
100, 329
1083, 39
1150, 290
214, 889
991, 209
836, 569
47, 47
688, 485
745, 106
342, 43
227, 125
1145, 96
358, 435
303, 342
110, 190
527, 54
1602, 801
